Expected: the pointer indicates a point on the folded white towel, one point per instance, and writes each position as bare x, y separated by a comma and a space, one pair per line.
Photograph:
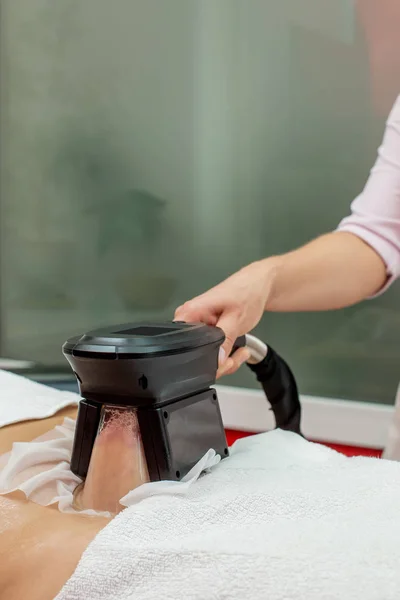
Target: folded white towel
282, 518
22, 399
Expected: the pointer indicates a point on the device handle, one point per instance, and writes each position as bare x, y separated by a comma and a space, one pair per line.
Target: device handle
277, 380
280, 388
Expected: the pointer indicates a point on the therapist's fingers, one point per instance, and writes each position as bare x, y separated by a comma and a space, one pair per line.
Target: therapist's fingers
213, 309
234, 362
229, 323
196, 312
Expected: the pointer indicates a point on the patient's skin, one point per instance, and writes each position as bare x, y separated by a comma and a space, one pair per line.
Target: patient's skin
39, 546
117, 464
29, 430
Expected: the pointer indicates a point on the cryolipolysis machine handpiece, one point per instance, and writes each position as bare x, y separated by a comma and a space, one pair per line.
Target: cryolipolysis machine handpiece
164, 372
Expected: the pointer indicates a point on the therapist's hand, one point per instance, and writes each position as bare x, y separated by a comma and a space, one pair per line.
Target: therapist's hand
336, 270
236, 306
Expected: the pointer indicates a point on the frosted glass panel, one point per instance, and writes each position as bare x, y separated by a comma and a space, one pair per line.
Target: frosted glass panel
149, 148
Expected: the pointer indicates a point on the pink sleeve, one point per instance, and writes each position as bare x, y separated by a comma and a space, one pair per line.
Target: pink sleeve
375, 213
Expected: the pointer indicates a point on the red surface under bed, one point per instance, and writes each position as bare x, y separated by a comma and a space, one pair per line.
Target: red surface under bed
232, 436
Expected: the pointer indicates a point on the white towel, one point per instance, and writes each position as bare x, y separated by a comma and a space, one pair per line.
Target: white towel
41, 468
22, 399
281, 519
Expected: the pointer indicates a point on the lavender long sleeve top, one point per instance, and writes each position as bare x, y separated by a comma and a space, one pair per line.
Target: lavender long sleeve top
375, 213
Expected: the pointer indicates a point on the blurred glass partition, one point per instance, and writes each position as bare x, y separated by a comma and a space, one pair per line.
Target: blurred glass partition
150, 148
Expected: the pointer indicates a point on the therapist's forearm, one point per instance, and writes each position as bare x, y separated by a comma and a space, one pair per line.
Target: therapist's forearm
331, 272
